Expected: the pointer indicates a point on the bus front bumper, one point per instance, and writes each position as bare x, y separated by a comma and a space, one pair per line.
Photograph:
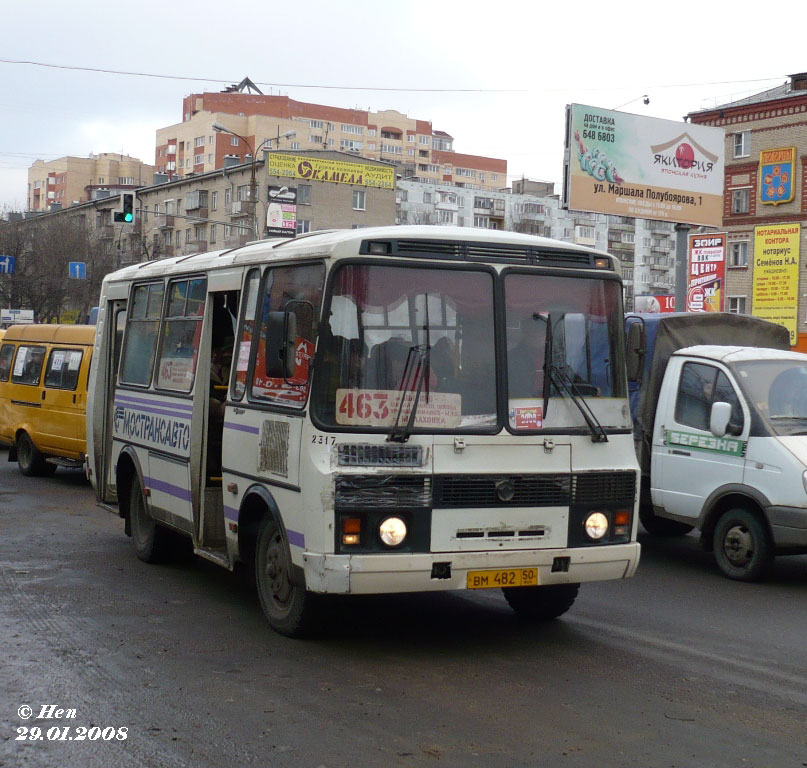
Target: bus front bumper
402, 572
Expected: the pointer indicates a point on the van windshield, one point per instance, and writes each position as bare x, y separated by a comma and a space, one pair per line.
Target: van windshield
778, 389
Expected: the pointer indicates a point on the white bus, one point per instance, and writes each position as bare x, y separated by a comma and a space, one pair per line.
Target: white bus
383, 410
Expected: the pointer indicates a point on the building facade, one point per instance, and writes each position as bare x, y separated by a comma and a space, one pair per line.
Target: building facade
765, 193
69, 180
278, 122
646, 249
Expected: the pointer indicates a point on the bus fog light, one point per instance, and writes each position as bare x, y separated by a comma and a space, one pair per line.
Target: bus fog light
392, 531
596, 525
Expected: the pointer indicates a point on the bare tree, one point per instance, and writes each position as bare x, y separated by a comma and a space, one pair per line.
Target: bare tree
43, 249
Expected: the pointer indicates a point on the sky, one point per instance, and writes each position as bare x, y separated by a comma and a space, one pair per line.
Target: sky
494, 75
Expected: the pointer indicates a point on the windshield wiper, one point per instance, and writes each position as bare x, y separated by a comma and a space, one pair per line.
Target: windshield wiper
415, 372
561, 378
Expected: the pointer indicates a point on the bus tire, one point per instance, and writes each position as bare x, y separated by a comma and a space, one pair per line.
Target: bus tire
541, 603
660, 526
289, 608
30, 460
152, 542
742, 545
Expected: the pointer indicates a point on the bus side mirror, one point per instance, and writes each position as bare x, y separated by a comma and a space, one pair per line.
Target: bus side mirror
281, 338
719, 419
635, 352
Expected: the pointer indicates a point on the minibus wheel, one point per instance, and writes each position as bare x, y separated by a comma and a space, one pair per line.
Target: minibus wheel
30, 460
152, 542
541, 603
290, 609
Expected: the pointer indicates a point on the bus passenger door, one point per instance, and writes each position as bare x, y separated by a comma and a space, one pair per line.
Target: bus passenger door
110, 351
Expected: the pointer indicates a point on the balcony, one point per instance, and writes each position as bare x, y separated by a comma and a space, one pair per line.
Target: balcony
135, 229
195, 246
238, 208
235, 241
164, 221
105, 231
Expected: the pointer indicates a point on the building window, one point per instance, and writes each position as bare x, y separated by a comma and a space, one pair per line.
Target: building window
628, 237
303, 194
446, 217
212, 232
210, 159
359, 200
737, 305
742, 144
346, 145
482, 221
315, 138
355, 129
315, 123
738, 254
740, 199
295, 145
371, 131
424, 140
198, 159
199, 141
233, 141
427, 197
303, 226
228, 195
404, 195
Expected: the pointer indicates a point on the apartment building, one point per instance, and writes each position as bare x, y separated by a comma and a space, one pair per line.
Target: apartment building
69, 180
765, 186
257, 121
646, 249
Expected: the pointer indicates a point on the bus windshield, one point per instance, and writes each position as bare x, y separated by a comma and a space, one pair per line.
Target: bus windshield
397, 334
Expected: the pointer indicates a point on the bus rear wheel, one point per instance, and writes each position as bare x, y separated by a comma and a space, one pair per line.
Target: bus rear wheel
541, 603
152, 542
30, 461
289, 608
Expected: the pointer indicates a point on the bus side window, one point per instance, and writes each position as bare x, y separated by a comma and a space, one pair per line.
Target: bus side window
28, 366
298, 289
250, 304
142, 328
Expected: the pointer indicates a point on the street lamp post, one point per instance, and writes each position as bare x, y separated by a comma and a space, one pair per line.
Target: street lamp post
253, 183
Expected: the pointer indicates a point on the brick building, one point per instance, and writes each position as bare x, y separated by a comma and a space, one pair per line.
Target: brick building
764, 127
412, 145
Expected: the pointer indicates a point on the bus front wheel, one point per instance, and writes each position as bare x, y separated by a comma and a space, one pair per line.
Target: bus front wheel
289, 608
151, 541
541, 603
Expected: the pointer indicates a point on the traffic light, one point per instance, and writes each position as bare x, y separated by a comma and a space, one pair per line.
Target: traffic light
126, 212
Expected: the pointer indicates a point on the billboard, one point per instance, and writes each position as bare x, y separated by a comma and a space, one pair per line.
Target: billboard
706, 278
647, 302
776, 275
643, 167
335, 171
281, 213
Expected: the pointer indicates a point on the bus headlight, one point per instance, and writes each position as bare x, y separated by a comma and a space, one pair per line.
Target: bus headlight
392, 531
596, 525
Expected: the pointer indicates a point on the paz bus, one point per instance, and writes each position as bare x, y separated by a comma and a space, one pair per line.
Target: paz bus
396, 409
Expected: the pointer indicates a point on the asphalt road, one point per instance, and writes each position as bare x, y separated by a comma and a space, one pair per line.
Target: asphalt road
676, 667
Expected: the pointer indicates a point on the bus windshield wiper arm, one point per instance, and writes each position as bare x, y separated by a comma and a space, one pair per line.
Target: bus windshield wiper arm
562, 380
412, 378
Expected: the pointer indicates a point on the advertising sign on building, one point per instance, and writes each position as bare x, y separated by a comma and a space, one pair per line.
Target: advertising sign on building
776, 274
776, 171
281, 213
335, 171
646, 303
643, 167
706, 279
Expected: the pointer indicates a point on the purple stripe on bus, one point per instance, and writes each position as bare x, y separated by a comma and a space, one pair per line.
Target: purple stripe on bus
230, 513
145, 401
295, 539
161, 411
241, 427
168, 488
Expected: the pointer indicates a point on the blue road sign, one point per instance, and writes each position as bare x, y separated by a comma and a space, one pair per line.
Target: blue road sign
77, 270
7, 264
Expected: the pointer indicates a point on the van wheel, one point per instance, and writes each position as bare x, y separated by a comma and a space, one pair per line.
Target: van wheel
742, 545
152, 542
541, 603
660, 526
290, 609
30, 460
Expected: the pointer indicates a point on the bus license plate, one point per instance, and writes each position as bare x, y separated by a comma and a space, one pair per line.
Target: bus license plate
510, 577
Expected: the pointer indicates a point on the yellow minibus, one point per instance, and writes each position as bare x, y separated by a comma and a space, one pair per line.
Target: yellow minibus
43, 395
